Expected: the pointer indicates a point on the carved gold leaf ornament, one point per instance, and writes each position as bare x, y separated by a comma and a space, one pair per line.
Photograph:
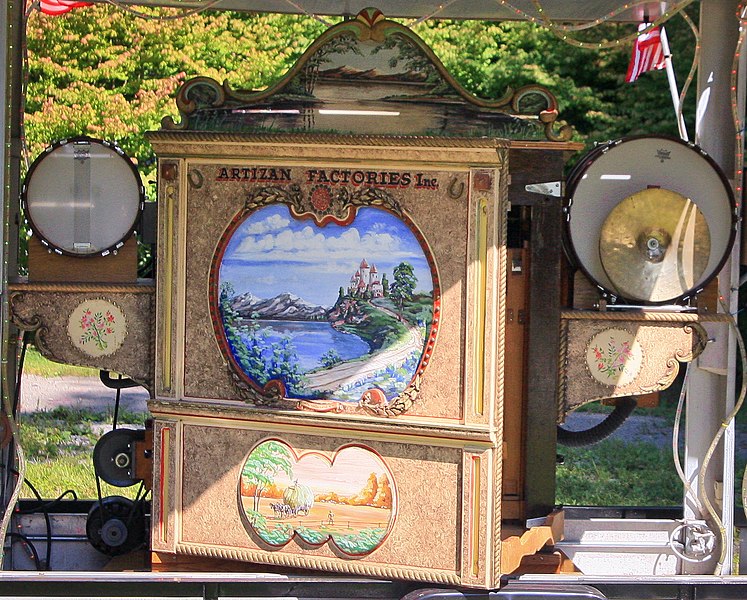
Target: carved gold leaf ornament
614, 357
531, 112
97, 327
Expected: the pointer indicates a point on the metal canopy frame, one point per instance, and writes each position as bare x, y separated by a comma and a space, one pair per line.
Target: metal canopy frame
714, 383
556, 10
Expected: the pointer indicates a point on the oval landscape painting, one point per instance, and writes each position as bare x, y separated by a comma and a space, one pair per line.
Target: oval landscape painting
337, 312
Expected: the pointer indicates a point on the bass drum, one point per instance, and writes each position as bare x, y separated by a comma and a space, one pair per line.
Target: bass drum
649, 219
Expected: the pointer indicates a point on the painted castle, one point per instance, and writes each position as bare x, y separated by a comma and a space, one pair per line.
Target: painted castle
366, 281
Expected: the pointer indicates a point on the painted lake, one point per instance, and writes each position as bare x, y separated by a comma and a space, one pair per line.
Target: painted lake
311, 339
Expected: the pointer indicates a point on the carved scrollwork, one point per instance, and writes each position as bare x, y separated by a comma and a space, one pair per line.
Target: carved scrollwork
33, 323
343, 54
339, 206
330, 205
397, 406
197, 93
605, 359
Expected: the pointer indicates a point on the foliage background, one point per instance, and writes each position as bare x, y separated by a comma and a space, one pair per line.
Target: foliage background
107, 73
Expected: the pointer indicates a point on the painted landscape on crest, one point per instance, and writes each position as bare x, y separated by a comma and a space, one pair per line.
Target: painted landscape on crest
334, 312
348, 498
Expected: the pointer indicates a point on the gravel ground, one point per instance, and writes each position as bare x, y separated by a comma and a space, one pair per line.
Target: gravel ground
644, 428
46, 393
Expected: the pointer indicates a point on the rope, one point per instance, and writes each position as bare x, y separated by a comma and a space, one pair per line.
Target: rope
665, 317
502, 208
87, 288
151, 17
717, 438
561, 33
309, 562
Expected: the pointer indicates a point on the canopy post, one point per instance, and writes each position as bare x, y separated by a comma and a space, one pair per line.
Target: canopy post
711, 384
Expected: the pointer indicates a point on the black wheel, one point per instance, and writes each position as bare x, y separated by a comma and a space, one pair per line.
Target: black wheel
116, 525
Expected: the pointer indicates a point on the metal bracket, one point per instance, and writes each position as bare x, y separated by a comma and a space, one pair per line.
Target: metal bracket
550, 188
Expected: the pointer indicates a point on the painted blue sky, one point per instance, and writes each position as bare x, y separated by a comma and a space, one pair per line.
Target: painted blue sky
271, 253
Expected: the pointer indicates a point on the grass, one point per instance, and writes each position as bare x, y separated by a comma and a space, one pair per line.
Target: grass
59, 446
35, 364
613, 473
59, 450
53, 478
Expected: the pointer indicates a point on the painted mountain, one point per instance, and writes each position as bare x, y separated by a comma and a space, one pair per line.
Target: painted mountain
285, 306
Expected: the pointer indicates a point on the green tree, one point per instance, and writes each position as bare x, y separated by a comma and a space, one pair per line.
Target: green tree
487, 58
283, 365
404, 284
103, 72
245, 340
263, 464
330, 358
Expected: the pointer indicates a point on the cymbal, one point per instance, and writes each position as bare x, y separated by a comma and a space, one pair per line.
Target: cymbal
654, 245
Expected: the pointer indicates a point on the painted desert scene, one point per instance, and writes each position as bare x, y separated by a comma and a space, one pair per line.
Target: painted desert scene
348, 498
339, 312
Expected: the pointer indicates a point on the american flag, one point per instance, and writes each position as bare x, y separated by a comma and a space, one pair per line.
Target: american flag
647, 54
58, 7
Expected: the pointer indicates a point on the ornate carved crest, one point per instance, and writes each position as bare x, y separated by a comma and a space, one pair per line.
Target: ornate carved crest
368, 75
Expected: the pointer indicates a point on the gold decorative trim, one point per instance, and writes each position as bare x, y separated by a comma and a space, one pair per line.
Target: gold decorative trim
476, 474
35, 324
339, 139
370, 24
497, 456
664, 344
290, 422
478, 333
332, 565
562, 390
165, 475
168, 287
147, 287
340, 207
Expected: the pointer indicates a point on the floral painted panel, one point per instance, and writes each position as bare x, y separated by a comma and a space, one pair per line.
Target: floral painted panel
614, 357
347, 499
97, 327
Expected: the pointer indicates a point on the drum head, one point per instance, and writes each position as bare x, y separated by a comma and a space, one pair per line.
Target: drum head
82, 197
650, 219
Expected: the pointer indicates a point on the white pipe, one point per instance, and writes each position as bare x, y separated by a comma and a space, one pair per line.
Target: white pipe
673, 84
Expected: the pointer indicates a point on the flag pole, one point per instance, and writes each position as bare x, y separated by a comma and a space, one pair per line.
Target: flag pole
673, 84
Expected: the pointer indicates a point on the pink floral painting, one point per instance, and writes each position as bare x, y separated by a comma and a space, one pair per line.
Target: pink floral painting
96, 327
614, 357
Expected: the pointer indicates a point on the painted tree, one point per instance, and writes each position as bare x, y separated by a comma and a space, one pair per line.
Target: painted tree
383, 497
268, 460
330, 358
283, 365
368, 493
403, 286
246, 340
